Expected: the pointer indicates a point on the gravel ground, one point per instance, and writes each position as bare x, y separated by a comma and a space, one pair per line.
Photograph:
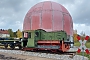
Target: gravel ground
23, 55
8, 56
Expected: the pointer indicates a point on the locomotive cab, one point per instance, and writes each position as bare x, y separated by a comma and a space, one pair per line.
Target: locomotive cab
28, 39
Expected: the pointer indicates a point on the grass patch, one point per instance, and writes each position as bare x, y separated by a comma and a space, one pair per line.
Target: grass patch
88, 44
78, 44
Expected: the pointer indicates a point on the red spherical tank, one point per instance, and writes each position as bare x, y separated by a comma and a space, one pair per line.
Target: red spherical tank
49, 16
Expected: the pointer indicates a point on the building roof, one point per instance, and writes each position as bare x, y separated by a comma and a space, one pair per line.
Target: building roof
49, 16
2, 31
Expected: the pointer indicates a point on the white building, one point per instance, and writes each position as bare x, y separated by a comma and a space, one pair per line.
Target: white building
4, 33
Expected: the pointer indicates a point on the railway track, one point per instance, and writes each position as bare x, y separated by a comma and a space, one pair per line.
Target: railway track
70, 54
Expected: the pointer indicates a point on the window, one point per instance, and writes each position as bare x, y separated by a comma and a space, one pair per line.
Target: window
37, 34
25, 35
29, 34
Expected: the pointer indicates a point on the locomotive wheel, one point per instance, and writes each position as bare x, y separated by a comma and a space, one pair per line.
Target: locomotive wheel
12, 46
20, 47
6, 45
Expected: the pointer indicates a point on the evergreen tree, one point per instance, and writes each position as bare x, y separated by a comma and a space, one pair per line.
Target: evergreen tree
14, 34
82, 35
11, 32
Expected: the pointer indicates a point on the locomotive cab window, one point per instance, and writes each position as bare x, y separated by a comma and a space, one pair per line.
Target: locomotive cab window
25, 34
36, 34
29, 34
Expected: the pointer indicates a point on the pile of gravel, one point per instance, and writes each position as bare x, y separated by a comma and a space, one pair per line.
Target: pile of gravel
53, 56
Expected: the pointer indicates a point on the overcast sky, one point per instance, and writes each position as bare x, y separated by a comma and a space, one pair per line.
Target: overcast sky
12, 13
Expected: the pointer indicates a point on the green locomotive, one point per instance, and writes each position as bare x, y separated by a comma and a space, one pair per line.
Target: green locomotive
40, 39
